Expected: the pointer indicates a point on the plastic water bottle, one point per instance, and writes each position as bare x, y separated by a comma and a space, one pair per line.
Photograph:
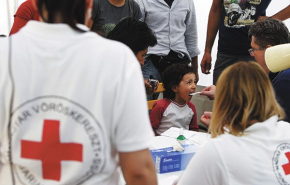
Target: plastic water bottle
181, 139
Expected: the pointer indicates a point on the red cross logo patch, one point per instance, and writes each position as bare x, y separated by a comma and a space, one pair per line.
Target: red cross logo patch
50, 151
56, 141
286, 167
281, 163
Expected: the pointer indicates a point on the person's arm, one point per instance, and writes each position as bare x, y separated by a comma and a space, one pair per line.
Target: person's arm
90, 23
195, 65
25, 13
138, 168
19, 22
212, 29
191, 37
193, 123
156, 116
282, 15
209, 92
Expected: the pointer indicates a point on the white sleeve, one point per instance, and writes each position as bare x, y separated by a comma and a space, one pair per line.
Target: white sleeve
205, 168
191, 38
131, 121
5, 95
142, 9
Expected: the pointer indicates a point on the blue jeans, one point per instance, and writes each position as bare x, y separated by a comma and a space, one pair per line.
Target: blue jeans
147, 70
224, 60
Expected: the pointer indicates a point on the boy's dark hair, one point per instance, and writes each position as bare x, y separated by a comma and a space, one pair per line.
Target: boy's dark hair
133, 33
71, 11
269, 32
173, 76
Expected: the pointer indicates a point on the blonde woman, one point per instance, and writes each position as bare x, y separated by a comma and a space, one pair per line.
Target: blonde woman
256, 150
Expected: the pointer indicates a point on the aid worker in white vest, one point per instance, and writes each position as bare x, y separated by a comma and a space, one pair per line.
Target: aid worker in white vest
250, 145
66, 116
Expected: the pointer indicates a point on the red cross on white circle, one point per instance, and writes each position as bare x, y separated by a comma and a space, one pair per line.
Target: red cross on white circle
50, 151
286, 167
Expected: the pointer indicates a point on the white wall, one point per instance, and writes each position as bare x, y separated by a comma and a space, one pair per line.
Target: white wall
4, 23
202, 9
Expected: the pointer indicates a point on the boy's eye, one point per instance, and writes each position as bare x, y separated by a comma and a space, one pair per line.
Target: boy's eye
189, 82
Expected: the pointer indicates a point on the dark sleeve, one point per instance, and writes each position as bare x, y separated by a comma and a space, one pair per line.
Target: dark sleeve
193, 123
137, 12
95, 9
282, 89
156, 115
24, 13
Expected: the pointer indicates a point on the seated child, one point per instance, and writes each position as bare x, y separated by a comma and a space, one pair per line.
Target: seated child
175, 109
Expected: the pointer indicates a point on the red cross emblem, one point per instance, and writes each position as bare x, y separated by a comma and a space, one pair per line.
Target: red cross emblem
286, 167
50, 151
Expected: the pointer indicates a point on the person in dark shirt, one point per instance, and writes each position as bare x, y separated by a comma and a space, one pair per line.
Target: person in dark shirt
231, 19
264, 34
107, 13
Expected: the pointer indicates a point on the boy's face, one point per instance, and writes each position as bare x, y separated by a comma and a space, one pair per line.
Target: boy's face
141, 56
259, 54
185, 87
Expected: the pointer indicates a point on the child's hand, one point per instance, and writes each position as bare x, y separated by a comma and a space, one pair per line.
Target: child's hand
205, 118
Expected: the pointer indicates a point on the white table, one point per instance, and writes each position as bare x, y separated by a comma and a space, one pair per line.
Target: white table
196, 138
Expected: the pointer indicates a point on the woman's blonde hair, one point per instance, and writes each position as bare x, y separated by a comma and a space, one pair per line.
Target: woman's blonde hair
244, 95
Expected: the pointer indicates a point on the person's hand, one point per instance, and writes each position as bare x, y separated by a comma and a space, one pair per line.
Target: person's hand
206, 63
209, 92
205, 118
156, 87
148, 87
262, 17
147, 84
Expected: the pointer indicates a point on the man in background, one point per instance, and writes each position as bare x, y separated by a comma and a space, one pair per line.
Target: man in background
267, 33
228, 17
106, 14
